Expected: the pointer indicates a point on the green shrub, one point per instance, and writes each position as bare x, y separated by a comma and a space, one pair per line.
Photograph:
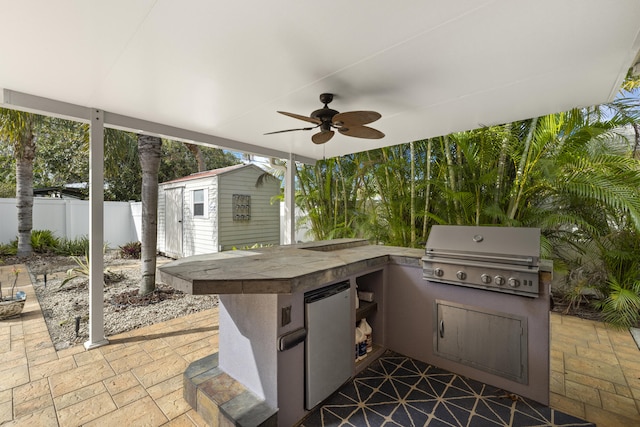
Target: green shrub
620, 258
7, 249
80, 270
43, 241
73, 247
131, 250
621, 308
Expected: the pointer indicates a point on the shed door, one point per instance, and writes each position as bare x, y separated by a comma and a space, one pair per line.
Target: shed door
173, 221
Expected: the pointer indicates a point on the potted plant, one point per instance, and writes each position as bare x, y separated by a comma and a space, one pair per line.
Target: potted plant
11, 305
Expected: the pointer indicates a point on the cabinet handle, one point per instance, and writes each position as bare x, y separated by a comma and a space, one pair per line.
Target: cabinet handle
441, 329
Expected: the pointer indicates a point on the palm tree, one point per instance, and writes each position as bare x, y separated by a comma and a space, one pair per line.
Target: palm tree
19, 130
149, 149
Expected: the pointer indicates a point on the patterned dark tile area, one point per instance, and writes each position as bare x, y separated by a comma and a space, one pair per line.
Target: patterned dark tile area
398, 391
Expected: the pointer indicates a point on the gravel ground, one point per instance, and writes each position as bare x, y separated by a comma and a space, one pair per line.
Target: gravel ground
124, 309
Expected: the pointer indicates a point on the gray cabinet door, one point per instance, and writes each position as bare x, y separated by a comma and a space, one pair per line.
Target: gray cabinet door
487, 340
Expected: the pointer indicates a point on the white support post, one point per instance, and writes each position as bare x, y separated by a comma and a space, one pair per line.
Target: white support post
96, 231
289, 201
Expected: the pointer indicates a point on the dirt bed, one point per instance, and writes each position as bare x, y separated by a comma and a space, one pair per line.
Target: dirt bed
124, 308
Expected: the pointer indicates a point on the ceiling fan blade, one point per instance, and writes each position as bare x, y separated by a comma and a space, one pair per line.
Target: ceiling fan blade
322, 137
299, 117
362, 132
289, 130
355, 118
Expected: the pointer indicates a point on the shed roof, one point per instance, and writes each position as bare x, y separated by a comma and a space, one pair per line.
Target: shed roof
212, 173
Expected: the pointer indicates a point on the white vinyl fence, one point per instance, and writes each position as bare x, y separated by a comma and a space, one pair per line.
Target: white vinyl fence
69, 219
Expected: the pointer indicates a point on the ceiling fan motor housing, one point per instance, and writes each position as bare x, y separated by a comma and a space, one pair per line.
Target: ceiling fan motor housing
325, 114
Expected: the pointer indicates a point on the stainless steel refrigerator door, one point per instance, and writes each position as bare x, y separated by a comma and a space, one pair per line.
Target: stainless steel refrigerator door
329, 345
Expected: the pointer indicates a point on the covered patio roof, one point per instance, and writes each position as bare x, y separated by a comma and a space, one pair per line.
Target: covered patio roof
216, 72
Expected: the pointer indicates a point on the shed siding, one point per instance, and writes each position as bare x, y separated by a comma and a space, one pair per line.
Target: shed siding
198, 235
161, 220
264, 225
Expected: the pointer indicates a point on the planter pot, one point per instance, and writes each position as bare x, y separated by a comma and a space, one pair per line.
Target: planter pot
12, 306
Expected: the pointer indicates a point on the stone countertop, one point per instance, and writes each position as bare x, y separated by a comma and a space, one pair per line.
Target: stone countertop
281, 269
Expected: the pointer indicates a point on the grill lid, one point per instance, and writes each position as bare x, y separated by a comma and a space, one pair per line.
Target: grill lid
499, 259
505, 245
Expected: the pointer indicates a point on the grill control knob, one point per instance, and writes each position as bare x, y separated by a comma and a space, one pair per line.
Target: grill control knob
438, 272
461, 275
514, 283
486, 279
499, 280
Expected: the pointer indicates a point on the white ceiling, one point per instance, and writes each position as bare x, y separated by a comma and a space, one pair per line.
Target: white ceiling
224, 68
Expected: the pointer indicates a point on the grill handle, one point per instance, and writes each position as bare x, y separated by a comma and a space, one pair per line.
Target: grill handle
457, 255
441, 328
482, 265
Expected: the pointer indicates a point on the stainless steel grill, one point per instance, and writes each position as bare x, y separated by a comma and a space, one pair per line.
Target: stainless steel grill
500, 259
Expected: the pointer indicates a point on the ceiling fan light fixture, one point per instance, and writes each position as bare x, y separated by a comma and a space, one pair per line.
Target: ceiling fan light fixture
349, 123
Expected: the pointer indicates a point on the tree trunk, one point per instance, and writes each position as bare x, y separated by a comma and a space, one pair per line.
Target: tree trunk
149, 150
453, 185
24, 190
502, 163
519, 182
636, 129
427, 191
197, 153
413, 194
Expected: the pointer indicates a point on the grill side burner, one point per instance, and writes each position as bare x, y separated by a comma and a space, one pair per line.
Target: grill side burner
499, 259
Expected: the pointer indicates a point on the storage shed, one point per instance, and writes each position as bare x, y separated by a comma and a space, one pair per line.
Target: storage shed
217, 210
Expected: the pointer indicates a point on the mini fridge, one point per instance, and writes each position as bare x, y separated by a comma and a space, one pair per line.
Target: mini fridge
329, 346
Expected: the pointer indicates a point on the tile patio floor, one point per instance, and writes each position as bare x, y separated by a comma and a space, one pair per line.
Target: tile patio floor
137, 378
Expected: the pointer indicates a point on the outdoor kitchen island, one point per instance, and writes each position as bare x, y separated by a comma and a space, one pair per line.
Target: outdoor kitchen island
258, 375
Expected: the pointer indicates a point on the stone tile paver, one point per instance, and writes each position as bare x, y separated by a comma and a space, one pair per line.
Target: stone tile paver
32, 405
595, 372
124, 364
75, 379
87, 357
141, 412
121, 382
31, 390
6, 411
181, 421
46, 417
78, 395
86, 410
6, 395
173, 404
166, 387
129, 395
14, 377
160, 370
47, 369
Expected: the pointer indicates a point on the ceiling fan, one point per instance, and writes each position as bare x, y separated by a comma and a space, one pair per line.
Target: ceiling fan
350, 123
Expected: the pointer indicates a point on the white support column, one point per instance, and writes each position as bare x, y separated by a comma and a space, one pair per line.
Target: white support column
290, 202
96, 231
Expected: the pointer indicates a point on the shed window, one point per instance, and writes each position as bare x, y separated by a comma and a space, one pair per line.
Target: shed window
198, 202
